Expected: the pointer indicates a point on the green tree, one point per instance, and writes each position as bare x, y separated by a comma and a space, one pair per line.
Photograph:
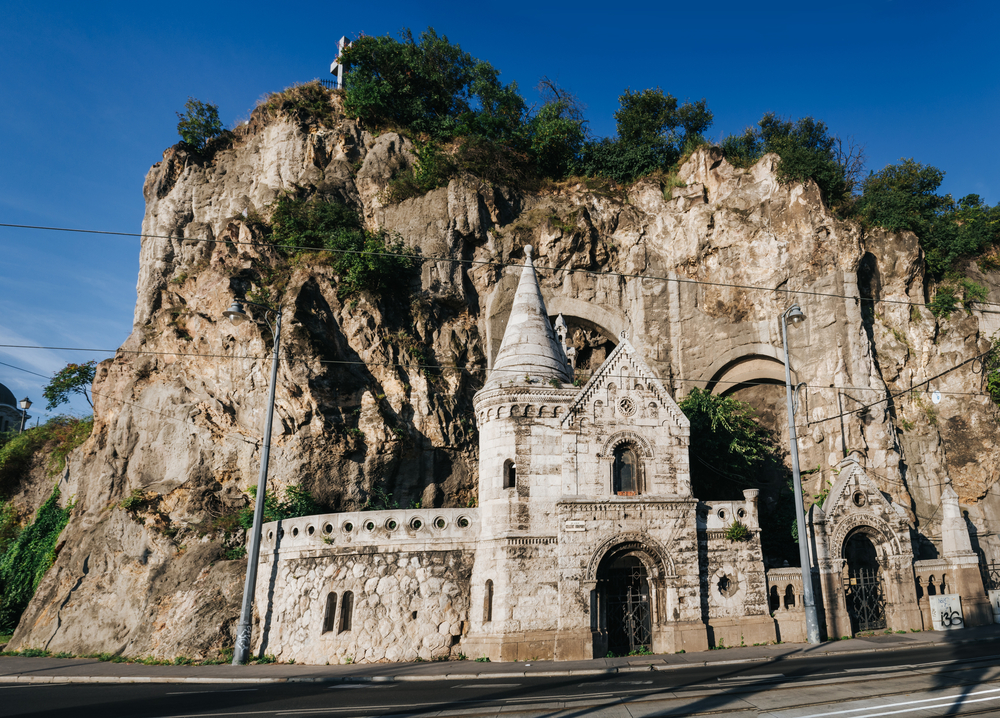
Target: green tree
653, 132
199, 123
807, 151
72, 379
554, 138
652, 118
428, 85
730, 450
905, 196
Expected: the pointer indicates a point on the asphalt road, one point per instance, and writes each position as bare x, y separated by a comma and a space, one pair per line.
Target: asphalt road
925, 681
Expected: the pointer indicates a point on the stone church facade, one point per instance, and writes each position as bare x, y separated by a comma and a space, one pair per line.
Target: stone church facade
587, 539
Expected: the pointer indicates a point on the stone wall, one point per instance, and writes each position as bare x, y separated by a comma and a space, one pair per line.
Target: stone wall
406, 571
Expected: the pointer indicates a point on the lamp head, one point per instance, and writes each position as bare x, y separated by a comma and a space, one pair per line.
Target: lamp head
25, 403
795, 315
235, 313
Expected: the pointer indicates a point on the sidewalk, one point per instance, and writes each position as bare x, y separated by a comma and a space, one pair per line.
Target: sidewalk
15, 669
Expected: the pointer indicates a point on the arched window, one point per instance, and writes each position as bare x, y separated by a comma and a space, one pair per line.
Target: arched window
509, 474
346, 609
789, 596
329, 618
774, 603
488, 602
626, 471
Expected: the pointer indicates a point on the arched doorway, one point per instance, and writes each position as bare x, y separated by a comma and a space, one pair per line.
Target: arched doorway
864, 591
623, 604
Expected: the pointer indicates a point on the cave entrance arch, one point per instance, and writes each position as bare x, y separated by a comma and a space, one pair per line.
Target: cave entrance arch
623, 601
864, 588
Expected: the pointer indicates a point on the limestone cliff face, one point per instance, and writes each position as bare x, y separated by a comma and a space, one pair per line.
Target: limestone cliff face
179, 411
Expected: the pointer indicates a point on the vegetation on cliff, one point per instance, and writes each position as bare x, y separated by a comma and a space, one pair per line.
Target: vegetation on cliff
472, 122
27, 557
27, 550
325, 231
731, 451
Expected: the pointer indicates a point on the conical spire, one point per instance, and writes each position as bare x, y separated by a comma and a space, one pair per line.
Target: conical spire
529, 346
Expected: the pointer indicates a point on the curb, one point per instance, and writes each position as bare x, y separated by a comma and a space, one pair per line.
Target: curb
63, 679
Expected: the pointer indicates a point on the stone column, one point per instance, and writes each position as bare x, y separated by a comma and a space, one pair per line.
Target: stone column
830, 606
966, 579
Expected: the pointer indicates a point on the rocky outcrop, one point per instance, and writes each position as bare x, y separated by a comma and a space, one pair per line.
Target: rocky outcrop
374, 395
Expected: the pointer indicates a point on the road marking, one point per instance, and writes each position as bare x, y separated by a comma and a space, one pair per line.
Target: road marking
489, 685
221, 690
754, 677
380, 686
956, 700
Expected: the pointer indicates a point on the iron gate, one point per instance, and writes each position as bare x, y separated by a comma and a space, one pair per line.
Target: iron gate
628, 610
991, 575
865, 599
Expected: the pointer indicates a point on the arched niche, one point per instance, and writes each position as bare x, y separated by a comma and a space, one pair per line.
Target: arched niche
599, 321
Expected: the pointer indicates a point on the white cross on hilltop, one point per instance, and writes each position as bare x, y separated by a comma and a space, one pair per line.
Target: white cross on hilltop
337, 68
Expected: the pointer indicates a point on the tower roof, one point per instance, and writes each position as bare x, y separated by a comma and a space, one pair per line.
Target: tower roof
529, 345
7, 396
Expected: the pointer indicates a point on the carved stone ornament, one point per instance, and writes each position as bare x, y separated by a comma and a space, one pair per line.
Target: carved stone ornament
659, 564
627, 436
626, 406
881, 533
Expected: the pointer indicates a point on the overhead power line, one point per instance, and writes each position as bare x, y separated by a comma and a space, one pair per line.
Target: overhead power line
26, 371
512, 372
424, 258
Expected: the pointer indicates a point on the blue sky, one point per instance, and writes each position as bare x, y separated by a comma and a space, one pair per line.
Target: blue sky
91, 90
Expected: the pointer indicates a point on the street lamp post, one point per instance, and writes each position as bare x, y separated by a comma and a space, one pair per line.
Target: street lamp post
241, 653
794, 315
25, 405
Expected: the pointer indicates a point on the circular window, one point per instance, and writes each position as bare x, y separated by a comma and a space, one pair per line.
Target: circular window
347, 527
741, 513
722, 514
463, 522
626, 406
295, 531
859, 499
281, 533
270, 535
391, 524
328, 529
415, 524
440, 523
370, 526
728, 586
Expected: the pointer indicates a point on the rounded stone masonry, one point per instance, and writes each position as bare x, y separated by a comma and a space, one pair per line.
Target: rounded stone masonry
366, 586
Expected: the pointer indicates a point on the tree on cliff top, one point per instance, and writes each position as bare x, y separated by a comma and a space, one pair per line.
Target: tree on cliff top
434, 88
199, 123
428, 85
653, 132
807, 151
71, 379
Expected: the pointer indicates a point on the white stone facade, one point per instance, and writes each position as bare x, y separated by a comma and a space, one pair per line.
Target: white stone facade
587, 539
